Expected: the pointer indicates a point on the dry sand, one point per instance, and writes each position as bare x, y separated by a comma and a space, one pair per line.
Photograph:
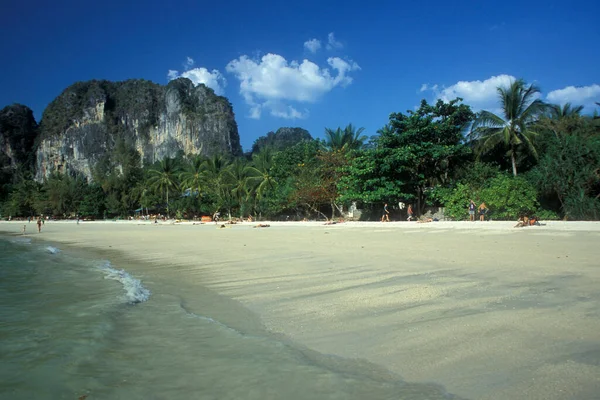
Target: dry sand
488, 311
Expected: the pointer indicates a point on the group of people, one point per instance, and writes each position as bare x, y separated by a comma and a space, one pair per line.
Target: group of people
482, 210
386, 213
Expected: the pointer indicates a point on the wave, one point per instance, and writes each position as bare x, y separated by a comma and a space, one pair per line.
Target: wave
135, 292
52, 250
21, 240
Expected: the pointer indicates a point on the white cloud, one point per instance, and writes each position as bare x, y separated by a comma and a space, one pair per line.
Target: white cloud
478, 94
312, 45
271, 81
332, 43
213, 79
582, 95
287, 112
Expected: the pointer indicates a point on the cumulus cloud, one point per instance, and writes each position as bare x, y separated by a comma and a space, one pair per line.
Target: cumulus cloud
271, 82
582, 95
312, 45
478, 94
332, 43
213, 79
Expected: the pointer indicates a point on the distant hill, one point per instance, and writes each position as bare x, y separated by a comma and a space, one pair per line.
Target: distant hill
281, 140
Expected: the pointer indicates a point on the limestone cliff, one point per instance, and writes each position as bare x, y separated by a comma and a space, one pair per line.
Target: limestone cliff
18, 131
281, 140
82, 125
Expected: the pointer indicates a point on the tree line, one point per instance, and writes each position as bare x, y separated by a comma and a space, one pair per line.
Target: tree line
532, 157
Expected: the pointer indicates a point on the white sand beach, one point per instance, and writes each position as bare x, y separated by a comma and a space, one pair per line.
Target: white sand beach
484, 309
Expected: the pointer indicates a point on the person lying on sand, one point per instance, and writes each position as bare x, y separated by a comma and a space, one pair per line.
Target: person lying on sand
522, 222
330, 223
261, 226
424, 220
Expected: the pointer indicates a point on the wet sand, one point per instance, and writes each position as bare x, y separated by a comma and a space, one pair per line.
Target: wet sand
486, 310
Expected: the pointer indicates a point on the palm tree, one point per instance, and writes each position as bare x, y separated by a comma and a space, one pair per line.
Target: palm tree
216, 177
237, 174
566, 111
259, 173
193, 178
345, 139
164, 177
521, 110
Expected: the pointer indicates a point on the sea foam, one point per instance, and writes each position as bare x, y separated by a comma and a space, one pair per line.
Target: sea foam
135, 292
52, 250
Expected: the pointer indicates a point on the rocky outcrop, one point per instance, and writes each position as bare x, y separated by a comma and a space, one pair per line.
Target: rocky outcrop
83, 124
281, 140
18, 131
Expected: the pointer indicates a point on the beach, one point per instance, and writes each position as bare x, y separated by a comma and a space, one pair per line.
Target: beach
486, 310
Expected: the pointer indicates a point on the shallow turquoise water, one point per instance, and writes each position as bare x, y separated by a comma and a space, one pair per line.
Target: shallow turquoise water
73, 326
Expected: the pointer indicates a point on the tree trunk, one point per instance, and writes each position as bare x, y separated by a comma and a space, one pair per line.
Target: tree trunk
513, 161
419, 192
167, 203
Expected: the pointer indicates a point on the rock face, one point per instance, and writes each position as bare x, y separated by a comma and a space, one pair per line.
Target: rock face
82, 125
18, 131
281, 140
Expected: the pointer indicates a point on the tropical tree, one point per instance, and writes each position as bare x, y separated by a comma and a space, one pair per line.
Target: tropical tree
193, 178
237, 175
521, 109
566, 111
417, 151
349, 138
217, 184
164, 177
260, 177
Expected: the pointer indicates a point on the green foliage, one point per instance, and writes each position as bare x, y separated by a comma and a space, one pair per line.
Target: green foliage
506, 198
165, 178
515, 130
414, 151
569, 171
280, 140
349, 138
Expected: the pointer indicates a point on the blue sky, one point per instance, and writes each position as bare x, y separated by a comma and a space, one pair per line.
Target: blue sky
372, 58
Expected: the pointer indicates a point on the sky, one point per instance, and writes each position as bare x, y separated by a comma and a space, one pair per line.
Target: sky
309, 64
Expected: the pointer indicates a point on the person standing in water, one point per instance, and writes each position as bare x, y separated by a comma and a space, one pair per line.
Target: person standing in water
39, 224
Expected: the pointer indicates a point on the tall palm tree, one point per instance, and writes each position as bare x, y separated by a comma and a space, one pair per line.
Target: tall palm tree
259, 173
215, 170
164, 177
237, 173
514, 130
345, 139
194, 176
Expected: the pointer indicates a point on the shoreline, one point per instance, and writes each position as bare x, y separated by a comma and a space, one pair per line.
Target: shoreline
473, 306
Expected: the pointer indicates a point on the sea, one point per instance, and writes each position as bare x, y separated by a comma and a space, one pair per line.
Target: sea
76, 326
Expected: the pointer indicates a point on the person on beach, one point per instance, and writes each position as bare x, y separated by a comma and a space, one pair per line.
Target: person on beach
482, 211
39, 225
386, 214
409, 211
472, 208
216, 216
522, 222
